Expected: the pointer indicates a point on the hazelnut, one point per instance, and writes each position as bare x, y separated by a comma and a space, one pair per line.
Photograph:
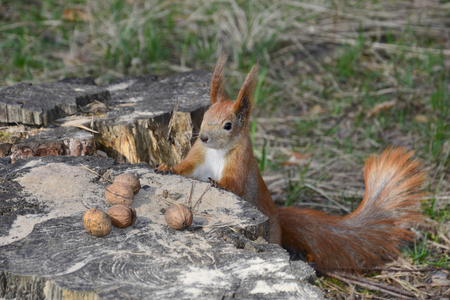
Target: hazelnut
118, 193
96, 222
178, 216
130, 180
122, 215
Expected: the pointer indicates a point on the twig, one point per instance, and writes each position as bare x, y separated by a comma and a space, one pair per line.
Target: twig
80, 126
412, 49
190, 195
376, 286
419, 51
92, 171
207, 188
170, 202
404, 270
202, 215
29, 23
440, 245
326, 196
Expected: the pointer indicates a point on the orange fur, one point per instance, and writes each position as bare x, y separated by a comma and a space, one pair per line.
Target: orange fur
193, 159
368, 236
243, 104
218, 93
373, 232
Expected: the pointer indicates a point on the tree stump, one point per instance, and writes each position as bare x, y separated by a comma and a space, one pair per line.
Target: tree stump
154, 121
55, 141
45, 252
42, 104
136, 119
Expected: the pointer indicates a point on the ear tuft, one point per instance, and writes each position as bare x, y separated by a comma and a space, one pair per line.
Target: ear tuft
243, 104
218, 93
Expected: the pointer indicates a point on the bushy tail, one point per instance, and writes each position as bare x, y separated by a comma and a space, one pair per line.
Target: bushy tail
372, 233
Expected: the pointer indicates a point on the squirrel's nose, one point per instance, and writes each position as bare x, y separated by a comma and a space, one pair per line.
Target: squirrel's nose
203, 138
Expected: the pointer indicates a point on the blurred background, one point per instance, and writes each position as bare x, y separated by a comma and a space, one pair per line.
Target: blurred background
340, 80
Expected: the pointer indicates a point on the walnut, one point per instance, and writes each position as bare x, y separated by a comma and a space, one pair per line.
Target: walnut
178, 216
122, 215
119, 193
130, 180
96, 222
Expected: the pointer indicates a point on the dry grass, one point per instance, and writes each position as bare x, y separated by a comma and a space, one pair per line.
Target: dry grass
341, 80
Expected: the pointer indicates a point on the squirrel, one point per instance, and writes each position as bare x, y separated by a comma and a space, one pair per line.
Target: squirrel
367, 237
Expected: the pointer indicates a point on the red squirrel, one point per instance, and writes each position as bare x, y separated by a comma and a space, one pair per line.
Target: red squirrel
367, 237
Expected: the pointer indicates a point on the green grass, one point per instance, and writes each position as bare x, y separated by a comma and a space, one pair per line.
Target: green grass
258, 94
422, 255
335, 57
347, 64
4, 136
297, 188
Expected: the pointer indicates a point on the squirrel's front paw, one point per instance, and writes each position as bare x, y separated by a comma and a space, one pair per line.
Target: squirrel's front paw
213, 182
164, 169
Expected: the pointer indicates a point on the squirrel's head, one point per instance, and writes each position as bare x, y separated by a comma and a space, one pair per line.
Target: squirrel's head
226, 121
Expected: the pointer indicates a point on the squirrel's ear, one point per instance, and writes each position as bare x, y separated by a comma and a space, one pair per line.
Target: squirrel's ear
217, 92
244, 100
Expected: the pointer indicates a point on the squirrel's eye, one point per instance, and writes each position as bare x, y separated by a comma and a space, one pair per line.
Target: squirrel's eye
227, 126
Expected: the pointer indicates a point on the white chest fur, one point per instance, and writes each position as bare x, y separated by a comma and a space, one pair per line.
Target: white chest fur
212, 166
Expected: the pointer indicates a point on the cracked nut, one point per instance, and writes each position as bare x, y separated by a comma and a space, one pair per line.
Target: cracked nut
96, 222
130, 180
119, 193
179, 216
122, 215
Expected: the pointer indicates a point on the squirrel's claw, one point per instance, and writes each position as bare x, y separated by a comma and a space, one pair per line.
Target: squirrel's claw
213, 182
163, 169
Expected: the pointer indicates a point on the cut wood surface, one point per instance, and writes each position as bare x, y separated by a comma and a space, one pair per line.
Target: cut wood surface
42, 104
45, 252
55, 141
136, 119
153, 121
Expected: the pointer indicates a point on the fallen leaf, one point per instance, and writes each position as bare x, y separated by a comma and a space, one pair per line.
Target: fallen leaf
315, 110
73, 59
380, 107
76, 15
298, 159
289, 61
421, 119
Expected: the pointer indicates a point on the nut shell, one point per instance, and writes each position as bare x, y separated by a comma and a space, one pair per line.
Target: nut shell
130, 180
122, 215
119, 193
96, 222
178, 216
